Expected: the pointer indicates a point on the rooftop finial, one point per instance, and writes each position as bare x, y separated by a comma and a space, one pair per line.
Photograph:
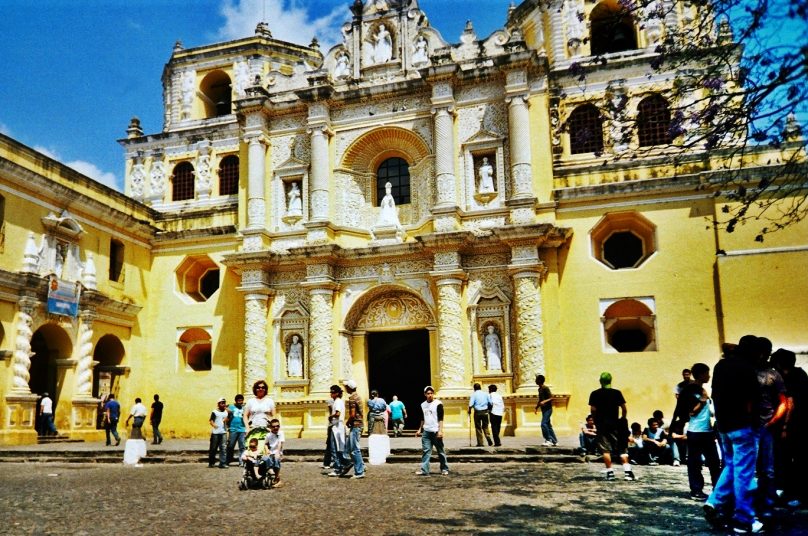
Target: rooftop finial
178, 46
262, 29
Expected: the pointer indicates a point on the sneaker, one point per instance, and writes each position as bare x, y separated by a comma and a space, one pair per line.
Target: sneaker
419, 472
609, 475
653, 463
325, 467
334, 473
355, 477
676, 463
547, 444
713, 516
698, 495
445, 472
629, 475
755, 527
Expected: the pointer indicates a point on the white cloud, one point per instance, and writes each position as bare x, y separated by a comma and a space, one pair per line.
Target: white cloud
288, 20
85, 168
5, 130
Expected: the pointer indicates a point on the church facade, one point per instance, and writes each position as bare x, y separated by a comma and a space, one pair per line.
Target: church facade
399, 210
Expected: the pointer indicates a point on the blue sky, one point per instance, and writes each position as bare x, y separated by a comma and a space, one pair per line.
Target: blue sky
75, 71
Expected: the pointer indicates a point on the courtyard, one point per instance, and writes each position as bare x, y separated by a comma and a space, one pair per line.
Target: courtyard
500, 499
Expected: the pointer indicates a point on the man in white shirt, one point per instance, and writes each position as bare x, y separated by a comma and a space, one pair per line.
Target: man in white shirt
497, 411
46, 416
431, 432
138, 413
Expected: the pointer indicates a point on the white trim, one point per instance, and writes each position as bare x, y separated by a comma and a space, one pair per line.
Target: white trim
783, 249
629, 203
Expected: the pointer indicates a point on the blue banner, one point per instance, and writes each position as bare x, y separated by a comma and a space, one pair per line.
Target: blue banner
63, 297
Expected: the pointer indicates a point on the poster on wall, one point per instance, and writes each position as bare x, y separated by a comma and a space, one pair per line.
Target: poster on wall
63, 297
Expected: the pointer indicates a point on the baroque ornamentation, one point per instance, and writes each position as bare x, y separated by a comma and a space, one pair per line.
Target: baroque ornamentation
84, 373
255, 339
450, 335
529, 327
321, 345
22, 349
396, 309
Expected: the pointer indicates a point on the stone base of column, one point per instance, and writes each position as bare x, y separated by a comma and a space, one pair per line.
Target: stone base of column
387, 234
254, 240
319, 232
84, 415
446, 219
18, 420
523, 211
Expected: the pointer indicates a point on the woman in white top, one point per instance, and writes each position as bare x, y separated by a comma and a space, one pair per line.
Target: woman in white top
258, 411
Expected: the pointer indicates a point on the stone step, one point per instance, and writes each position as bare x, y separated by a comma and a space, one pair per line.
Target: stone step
46, 440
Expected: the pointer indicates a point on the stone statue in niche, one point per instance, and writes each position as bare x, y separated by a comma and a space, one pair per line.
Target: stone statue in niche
493, 349
388, 216
294, 358
486, 175
575, 27
341, 69
420, 55
294, 206
383, 48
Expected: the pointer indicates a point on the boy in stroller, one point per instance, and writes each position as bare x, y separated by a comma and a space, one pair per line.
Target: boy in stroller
255, 468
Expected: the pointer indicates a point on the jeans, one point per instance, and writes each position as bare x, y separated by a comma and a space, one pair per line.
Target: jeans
217, 443
765, 470
428, 440
47, 426
353, 450
698, 444
232, 439
329, 454
546, 427
588, 443
735, 482
112, 428
481, 426
157, 436
496, 425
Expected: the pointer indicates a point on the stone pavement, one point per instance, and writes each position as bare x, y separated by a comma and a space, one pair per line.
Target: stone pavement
504, 499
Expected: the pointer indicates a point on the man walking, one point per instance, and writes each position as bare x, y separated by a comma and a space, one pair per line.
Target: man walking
431, 433
604, 405
46, 425
480, 402
155, 418
397, 414
112, 413
545, 402
735, 396
497, 411
353, 423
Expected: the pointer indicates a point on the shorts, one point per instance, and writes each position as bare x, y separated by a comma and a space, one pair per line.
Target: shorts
271, 462
609, 441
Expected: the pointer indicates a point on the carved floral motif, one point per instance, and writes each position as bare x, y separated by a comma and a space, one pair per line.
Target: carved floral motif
84, 373
450, 335
529, 328
22, 350
255, 339
395, 309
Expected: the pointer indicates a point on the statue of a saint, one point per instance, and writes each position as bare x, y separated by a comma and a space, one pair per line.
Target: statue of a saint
341, 69
294, 207
420, 55
486, 173
388, 216
383, 49
493, 350
294, 358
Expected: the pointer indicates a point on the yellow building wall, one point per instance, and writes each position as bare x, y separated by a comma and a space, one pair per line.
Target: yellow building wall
679, 278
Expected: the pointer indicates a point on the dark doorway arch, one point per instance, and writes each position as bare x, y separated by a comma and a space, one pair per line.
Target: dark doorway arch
49, 343
398, 364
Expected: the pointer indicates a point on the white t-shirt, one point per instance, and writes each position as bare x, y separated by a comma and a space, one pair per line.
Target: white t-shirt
258, 411
339, 405
430, 409
274, 441
46, 405
218, 418
139, 410
497, 404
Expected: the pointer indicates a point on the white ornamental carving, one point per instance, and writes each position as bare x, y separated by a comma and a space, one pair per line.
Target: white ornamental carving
321, 345
157, 182
255, 340
529, 328
450, 335
22, 351
84, 372
137, 181
396, 309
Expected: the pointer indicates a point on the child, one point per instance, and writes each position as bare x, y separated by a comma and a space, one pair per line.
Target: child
251, 458
636, 452
218, 422
274, 442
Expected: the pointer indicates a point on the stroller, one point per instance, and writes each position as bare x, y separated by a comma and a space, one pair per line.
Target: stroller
249, 480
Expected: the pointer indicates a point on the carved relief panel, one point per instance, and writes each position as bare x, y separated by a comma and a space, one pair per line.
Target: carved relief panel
489, 316
291, 334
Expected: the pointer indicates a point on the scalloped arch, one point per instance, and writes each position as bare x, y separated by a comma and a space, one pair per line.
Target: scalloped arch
370, 149
374, 306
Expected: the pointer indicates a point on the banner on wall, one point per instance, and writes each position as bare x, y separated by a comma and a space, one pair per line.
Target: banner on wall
63, 297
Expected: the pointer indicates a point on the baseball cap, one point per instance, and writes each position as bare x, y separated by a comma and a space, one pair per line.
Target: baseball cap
429, 388
223, 399
350, 384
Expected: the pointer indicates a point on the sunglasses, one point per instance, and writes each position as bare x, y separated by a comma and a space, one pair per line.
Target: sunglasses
264, 387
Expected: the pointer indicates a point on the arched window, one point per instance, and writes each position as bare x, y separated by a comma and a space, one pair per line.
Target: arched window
396, 171
228, 175
612, 29
216, 94
630, 326
586, 130
654, 121
182, 182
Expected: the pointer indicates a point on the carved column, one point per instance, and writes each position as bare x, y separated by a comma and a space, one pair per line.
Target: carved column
321, 344
526, 270
21, 364
256, 158
254, 285
449, 279
84, 369
519, 134
444, 156
318, 179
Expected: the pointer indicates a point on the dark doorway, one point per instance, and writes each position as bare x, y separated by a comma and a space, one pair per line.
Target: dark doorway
398, 364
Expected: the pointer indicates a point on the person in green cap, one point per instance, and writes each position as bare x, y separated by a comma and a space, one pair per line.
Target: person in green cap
608, 407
